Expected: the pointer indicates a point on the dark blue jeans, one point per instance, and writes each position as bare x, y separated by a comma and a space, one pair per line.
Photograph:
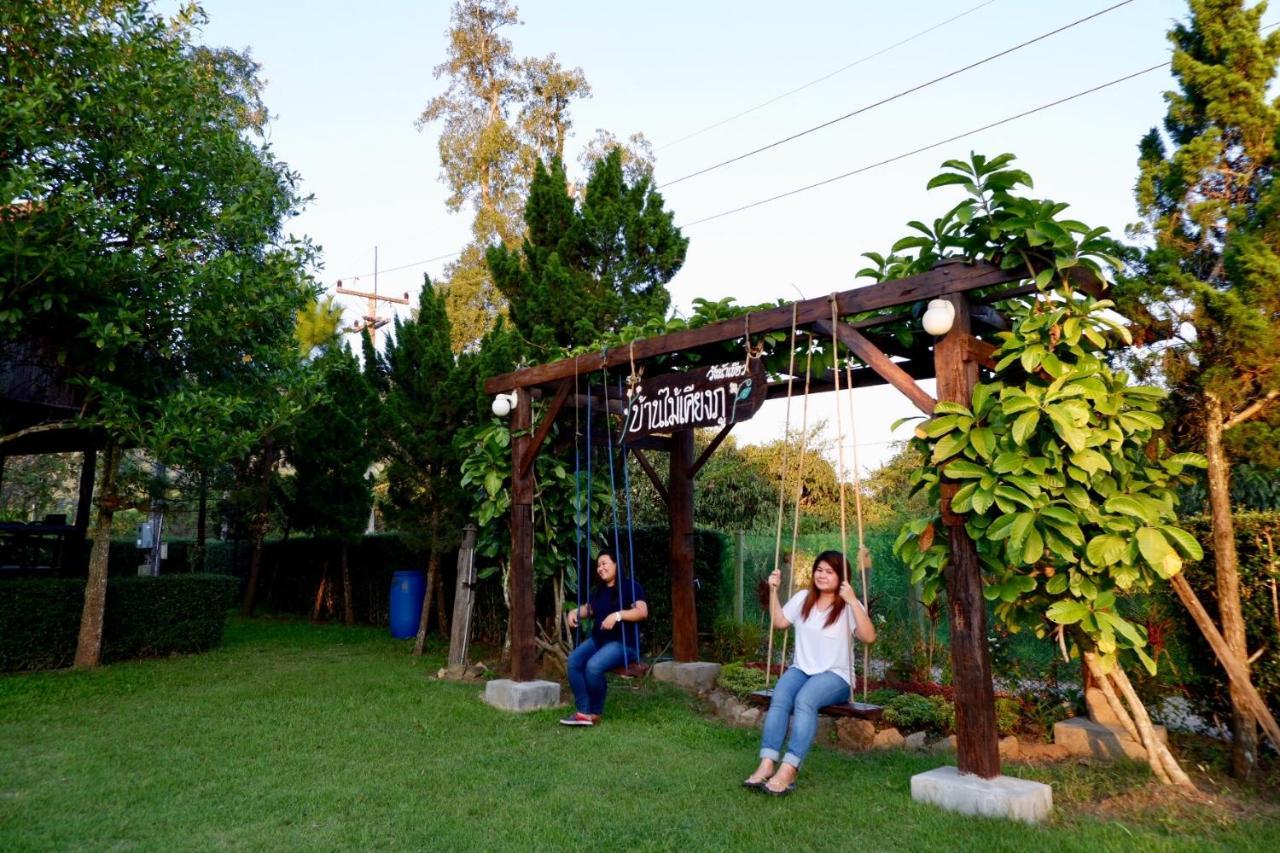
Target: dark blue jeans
588, 664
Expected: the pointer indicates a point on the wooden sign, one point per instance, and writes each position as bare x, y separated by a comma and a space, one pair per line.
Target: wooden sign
709, 396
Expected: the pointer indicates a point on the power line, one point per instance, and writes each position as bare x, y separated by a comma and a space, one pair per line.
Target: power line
408, 265
924, 148
815, 82
895, 97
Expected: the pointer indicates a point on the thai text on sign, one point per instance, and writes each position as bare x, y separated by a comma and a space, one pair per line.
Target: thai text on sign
708, 396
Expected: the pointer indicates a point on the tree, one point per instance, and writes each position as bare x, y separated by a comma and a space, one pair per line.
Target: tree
1211, 280
500, 115
1054, 464
330, 452
141, 243
592, 267
422, 410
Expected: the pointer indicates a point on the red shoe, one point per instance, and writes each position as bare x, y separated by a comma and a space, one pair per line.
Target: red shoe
580, 719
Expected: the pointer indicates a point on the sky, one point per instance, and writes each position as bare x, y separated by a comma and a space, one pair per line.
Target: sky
346, 82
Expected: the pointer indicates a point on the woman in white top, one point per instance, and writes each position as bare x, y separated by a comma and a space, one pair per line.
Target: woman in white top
825, 615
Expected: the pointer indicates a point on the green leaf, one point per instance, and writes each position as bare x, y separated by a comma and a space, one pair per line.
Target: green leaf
949, 445
1015, 403
1077, 496
963, 469
947, 407
1002, 527
1128, 505
1025, 425
937, 426
983, 441
1010, 493
1183, 541
981, 397
1067, 612
949, 178
1105, 549
1056, 584
1033, 549
1007, 462
1158, 553
962, 501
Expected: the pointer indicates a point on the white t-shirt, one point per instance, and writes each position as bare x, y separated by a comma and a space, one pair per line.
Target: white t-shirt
820, 647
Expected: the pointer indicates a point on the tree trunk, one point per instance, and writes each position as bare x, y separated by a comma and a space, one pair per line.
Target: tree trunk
320, 590
202, 513
89, 643
433, 572
348, 612
259, 525
1244, 726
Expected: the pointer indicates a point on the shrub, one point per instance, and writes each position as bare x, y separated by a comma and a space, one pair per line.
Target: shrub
733, 640
913, 712
880, 696
740, 680
145, 617
1008, 715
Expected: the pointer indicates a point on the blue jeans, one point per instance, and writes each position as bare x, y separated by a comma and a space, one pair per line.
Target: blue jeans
588, 664
796, 700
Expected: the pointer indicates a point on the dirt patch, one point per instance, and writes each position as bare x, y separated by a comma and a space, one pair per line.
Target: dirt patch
1212, 803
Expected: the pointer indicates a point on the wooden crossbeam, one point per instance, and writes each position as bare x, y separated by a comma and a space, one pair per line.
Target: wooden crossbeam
881, 364
710, 448
943, 279
548, 418
659, 486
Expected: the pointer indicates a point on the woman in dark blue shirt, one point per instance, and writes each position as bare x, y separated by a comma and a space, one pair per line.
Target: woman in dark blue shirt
617, 606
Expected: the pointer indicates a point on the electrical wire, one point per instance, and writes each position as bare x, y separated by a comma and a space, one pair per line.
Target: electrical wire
895, 97
924, 148
881, 52
405, 266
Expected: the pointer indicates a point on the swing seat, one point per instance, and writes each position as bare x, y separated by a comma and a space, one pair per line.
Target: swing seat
635, 669
861, 710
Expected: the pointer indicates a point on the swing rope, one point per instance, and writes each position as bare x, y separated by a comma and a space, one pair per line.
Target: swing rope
782, 481
844, 541
626, 486
864, 554
577, 504
613, 494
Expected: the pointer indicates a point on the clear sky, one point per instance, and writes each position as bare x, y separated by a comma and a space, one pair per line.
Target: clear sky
346, 82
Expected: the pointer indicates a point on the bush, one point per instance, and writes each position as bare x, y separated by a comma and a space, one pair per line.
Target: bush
914, 712
740, 680
881, 696
145, 617
1008, 715
733, 640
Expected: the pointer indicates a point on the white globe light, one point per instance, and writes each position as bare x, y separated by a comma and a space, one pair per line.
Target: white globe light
938, 318
502, 405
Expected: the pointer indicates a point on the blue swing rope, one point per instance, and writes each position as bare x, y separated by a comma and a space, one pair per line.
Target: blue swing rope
577, 526
613, 496
626, 486
586, 573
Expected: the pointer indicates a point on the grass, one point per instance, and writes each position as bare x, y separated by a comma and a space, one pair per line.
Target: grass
300, 737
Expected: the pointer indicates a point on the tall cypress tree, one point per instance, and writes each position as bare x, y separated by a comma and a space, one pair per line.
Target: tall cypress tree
1211, 206
585, 269
424, 406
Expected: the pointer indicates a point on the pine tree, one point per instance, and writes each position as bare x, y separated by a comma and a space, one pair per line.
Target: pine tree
1211, 206
589, 268
423, 408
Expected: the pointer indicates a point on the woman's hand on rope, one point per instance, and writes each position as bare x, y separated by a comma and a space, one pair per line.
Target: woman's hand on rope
846, 592
775, 578
572, 618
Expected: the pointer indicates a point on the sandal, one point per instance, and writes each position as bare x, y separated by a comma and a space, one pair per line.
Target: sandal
753, 784
776, 793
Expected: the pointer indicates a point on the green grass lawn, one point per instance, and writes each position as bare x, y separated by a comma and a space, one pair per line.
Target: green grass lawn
300, 737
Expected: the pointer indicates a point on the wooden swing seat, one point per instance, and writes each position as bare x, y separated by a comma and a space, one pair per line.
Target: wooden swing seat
635, 669
861, 710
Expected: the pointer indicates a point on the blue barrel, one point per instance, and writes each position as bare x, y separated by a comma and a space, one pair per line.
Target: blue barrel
407, 588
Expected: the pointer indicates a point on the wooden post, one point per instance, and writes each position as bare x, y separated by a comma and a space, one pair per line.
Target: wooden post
977, 747
84, 508
463, 600
684, 614
523, 648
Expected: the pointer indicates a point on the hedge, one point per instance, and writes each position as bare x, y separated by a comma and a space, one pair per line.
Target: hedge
145, 617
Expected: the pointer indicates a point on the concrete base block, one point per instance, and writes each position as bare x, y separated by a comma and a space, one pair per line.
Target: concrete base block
1003, 796
664, 671
698, 676
522, 695
1083, 737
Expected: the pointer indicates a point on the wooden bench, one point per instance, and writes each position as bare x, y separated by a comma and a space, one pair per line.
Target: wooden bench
861, 710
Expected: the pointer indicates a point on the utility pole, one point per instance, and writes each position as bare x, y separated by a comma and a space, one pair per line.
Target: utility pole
371, 322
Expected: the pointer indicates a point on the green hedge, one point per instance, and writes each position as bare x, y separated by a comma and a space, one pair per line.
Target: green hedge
145, 617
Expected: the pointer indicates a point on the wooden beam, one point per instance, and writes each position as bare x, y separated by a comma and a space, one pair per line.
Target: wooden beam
684, 613
979, 352
883, 365
943, 279
660, 443
658, 485
548, 419
977, 747
710, 448
524, 649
